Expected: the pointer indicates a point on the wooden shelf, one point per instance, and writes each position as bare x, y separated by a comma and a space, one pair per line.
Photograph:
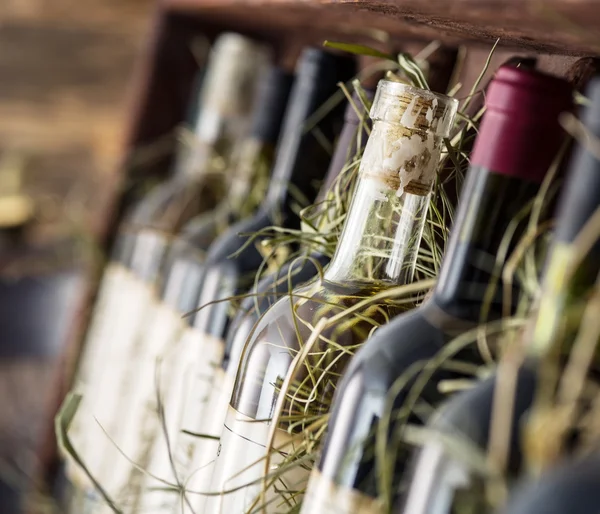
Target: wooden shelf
550, 26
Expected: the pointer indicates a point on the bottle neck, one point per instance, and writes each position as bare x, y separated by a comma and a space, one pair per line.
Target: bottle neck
490, 203
571, 271
252, 163
210, 147
385, 221
302, 156
250, 176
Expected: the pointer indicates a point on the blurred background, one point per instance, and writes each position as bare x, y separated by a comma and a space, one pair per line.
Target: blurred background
65, 70
65, 67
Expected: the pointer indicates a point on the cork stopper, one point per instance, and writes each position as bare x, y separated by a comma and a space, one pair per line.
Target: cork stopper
409, 125
414, 108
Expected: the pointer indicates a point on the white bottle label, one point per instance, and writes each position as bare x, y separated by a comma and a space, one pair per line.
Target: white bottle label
107, 298
148, 374
177, 367
326, 497
205, 450
113, 408
100, 414
209, 355
194, 363
240, 469
101, 396
95, 351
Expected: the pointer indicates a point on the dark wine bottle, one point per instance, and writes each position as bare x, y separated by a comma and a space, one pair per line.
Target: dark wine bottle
439, 474
227, 96
267, 292
571, 487
183, 273
557, 320
509, 161
376, 251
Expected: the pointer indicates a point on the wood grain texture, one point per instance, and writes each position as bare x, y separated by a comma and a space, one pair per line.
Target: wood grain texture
66, 67
552, 26
63, 96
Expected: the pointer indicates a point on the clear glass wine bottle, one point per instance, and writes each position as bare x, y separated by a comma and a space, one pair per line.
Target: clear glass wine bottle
377, 250
350, 144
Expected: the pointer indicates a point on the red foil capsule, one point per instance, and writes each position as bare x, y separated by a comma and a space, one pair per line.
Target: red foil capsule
520, 132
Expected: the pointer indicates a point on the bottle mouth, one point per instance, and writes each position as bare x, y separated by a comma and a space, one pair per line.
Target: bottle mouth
414, 108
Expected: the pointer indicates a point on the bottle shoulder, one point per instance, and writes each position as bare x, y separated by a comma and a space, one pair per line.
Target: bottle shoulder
293, 317
287, 327
272, 288
411, 337
236, 236
170, 205
266, 293
281, 315
470, 412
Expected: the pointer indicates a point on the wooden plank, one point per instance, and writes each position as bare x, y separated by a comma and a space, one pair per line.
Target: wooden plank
550, 26
62, 105
128, 16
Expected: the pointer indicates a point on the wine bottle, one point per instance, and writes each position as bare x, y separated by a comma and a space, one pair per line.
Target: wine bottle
377, 250
439, 474
268, 291
300, 159
571, 487
227, 96
183, 278
470, 412
509, 161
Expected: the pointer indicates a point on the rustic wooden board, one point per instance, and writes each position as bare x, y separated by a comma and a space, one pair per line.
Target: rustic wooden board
551, 26
61, 105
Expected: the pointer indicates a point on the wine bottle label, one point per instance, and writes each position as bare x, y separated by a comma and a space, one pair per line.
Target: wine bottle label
107, 298
191, 372
208, 351
94, 352
101, 395
242, 472
323, 495
105, 416
147, 379
180, 363
205, 449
